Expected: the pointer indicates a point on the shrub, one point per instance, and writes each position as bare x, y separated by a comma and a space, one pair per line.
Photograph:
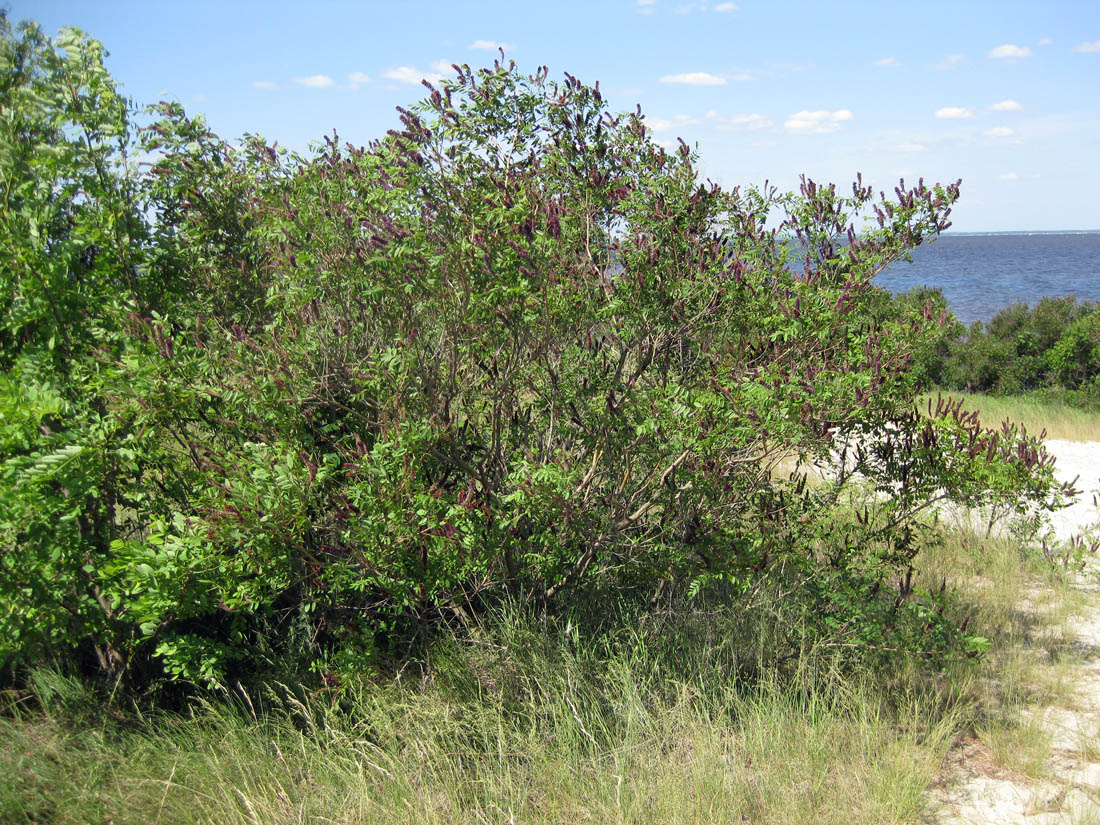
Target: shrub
1053, 346
279, 410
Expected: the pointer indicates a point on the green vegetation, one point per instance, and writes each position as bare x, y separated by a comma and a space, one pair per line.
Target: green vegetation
642, 720
268, 416
1050, 351
1038, 412
435, 479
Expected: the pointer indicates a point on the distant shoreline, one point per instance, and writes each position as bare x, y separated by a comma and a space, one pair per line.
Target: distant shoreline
1026, 232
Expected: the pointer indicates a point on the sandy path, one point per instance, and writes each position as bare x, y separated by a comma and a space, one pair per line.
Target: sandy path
1080, 460
977, 791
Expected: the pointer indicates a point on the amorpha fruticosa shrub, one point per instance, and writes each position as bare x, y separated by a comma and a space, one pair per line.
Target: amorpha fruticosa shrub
512, 345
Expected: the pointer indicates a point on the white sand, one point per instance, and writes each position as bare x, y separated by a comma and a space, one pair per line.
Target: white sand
1081, 461
977, 791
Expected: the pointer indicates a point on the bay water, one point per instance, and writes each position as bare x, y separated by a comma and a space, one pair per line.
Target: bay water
981, 274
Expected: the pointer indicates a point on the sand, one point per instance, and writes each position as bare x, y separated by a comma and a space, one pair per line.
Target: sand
973, 790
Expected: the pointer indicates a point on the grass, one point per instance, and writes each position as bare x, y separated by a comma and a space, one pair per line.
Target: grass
524, 726
1060, 420
1024, 606
1089, 744
762, 758
1021, 747
674, 719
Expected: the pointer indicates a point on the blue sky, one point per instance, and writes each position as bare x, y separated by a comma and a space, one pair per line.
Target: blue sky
1005, 95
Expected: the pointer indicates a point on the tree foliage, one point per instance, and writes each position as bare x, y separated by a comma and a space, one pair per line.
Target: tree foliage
1053, 347
260, 409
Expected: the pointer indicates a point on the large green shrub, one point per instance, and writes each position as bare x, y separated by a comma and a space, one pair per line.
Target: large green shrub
267, 410
1053, 346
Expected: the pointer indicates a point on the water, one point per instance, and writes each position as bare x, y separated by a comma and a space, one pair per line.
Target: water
982, 274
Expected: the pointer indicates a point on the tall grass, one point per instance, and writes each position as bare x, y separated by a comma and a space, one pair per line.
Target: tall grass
527, 723
680, 718
1024, 605
1059, 419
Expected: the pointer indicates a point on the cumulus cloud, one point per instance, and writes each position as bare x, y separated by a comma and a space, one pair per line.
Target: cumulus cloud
744, 123
911, 147
1009, 176
414, 76
950, 61
1088, 48
266, 85
660, 124
357, 79
315, 81
1000, 131
1009, 50
646, 6
816, 123
491, 45
695, 79
726, 7
953, 113
1045, 41
890, 62
1006, 106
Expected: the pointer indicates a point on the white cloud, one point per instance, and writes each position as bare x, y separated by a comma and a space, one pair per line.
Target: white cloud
744, 123
695, 79
357, 79
704, 7
660, 124
315, 81
1088, 48
646, 6
1006, 106
816, 123
266, 85
950, 61
953, 113
414, 76
1009, 176
491, 45
911, 147
890, 62
1009, 50
1045, 41
1000, 131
